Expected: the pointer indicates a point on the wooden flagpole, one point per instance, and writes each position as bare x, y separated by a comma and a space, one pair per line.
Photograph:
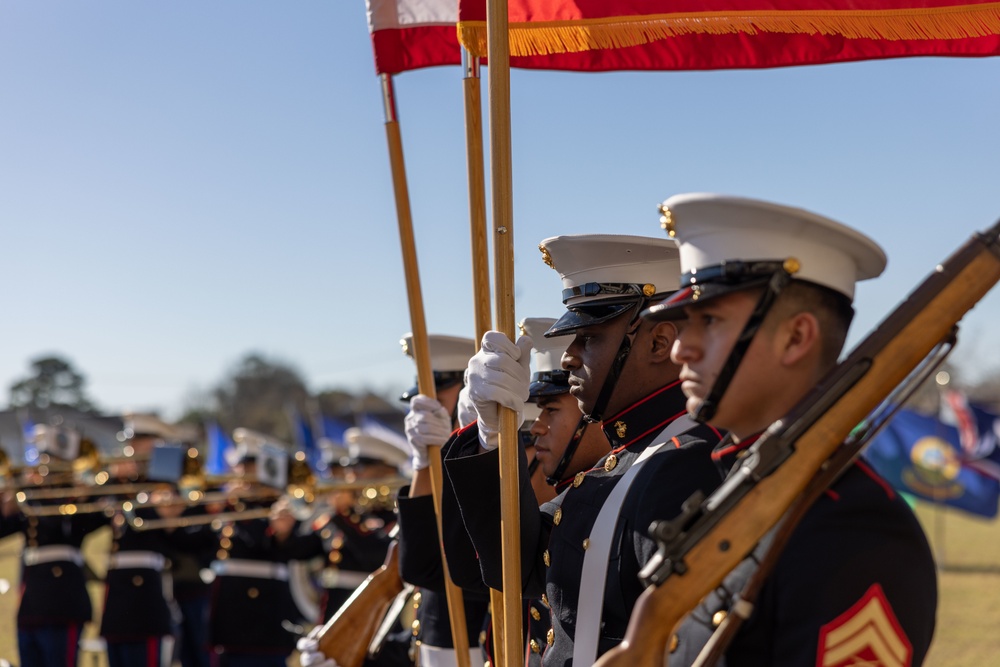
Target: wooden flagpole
421, 349
498, 70
480, 256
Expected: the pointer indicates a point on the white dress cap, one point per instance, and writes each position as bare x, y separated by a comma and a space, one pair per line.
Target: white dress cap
712, 229
548, 377
363, 444
611, 259
546, 355
605, 275
448, 353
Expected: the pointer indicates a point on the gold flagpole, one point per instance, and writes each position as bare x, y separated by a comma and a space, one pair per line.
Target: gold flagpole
421, 350
480, 258
498, 57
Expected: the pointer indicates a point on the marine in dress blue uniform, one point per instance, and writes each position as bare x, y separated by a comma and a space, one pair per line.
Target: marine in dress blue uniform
620, 372
419, 555
767, 294
54, 603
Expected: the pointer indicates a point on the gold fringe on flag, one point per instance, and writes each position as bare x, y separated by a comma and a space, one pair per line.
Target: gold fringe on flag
551, 37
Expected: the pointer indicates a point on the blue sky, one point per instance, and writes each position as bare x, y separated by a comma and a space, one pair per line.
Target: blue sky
184, 182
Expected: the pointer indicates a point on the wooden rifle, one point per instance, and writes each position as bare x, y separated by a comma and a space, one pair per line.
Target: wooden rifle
347, 635
712, 535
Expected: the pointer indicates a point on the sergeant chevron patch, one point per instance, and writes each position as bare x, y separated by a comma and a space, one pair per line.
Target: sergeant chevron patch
867, 634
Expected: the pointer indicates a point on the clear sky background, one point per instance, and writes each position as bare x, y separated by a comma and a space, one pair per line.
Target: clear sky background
185, 182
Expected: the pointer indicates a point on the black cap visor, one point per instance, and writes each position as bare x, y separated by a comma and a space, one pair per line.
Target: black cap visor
672, 308
442, 380
588, 314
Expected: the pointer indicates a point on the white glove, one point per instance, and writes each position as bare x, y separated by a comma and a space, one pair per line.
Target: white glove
309, 653
498, 375
466, 408
427, 423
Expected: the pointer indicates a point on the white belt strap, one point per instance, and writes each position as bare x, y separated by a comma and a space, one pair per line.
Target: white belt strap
145, 560
435, 656
51, 553
258, 569
349, 579
594, 574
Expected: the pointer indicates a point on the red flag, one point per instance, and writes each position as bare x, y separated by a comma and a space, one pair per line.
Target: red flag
410, 34
721, 34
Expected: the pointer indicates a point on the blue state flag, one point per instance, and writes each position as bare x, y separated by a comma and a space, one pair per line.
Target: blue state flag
333, 429
920, 455
28, 439
219, 445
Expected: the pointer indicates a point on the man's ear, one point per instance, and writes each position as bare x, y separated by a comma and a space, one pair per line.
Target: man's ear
663, 335
800, 338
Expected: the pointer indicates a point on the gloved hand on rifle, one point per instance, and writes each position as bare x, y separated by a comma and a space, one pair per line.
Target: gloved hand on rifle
498, 375
426, 424
309, 653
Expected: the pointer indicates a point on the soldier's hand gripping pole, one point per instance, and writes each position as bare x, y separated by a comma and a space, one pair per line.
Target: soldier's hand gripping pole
421, 351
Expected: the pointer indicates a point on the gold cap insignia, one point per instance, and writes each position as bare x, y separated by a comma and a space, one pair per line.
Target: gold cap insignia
667, 221
648, 289
792, 265
546, 257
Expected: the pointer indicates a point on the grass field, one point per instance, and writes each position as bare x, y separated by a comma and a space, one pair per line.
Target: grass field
968, 552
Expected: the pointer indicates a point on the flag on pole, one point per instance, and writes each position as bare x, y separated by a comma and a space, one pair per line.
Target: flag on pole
411, 34
601, 35
978, 432
921, 455
218, 449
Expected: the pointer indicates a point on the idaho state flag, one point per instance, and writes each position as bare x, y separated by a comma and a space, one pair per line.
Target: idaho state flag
725, 34
920, 455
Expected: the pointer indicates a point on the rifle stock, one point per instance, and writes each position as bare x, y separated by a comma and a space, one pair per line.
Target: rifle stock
346, 636
712, 536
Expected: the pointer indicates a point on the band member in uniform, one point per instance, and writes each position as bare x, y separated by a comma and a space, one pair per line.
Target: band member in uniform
54, 602
351, 531
136, 565
582, 552
767, 292
252, 614
419, 554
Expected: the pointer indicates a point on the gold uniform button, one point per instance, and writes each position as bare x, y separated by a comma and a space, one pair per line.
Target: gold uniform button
558, 516
222, 554
253, 593
578, 480
337, 542
415, 627
586, 543
535, 614
610, 463
56, 571
546, 558
416, 598
227, 531
535, 648
550, 637
226, 543
718, 617
545, 601
674, 643
137, 581
336, 557
326, 533
482, 637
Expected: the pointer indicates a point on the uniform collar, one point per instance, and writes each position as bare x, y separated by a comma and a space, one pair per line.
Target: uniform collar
728, 451
645, 418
